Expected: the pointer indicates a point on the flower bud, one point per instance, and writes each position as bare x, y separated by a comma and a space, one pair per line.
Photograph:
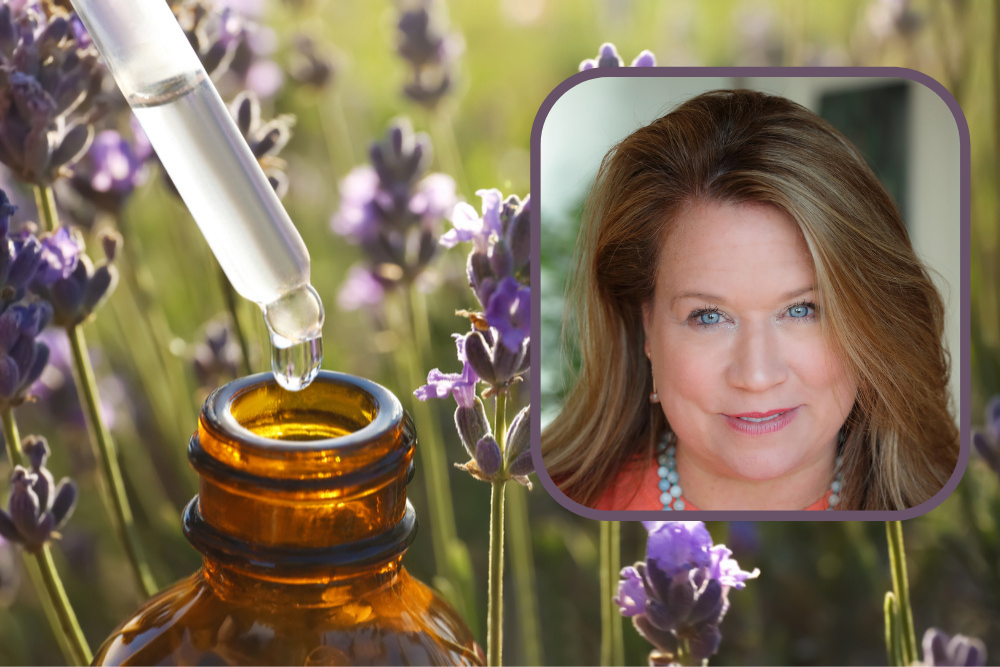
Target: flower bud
522, 465
519, 235
488, 456
480, 358
472, 425
65, 502
501, 260
518, 437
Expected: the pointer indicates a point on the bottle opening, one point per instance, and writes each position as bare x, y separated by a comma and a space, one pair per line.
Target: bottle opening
321, 411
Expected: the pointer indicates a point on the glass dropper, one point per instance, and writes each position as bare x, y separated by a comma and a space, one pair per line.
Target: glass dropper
215, 173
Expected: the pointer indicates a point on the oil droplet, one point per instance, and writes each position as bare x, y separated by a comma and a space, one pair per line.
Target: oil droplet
296, 366
295, 324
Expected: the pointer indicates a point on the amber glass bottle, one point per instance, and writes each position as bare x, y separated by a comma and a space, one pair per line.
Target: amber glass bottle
302, 520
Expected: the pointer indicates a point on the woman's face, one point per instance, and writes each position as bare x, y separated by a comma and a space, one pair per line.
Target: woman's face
745, 377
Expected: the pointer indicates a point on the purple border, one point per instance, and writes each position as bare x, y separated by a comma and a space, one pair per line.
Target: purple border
964, 366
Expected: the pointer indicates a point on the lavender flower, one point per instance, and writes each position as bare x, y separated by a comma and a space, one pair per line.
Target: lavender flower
38, 506
431, 53
607, 56
311, 66
75, 297
493, 361
486, 460
460, 385
47, 82
361, 288
22, 357
111, 169
679, 595
501, 241
988, 443
266, 139
893, 17
499, 273
393, 208
957, 651
230, 45
217, 356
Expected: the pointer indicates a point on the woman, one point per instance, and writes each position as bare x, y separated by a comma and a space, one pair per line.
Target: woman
754, 328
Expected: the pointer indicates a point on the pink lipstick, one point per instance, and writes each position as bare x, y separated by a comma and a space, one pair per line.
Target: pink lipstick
762, 423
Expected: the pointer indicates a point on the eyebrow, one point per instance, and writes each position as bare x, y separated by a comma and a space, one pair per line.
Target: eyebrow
713, 298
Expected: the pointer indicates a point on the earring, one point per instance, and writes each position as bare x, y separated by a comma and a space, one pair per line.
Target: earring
654, 397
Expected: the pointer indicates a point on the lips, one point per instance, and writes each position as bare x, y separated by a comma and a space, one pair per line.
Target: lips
762, 423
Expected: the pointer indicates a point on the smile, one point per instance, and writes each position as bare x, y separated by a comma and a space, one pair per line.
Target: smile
761, 423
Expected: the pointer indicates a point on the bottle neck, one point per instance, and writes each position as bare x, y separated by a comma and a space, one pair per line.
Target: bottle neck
304, 489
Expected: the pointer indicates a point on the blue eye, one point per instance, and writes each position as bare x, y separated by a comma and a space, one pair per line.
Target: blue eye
709, 318
800, 310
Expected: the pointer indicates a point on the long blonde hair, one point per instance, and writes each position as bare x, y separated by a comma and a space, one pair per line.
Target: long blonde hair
881, 311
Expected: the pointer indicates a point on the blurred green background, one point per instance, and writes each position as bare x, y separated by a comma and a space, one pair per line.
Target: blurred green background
819, 596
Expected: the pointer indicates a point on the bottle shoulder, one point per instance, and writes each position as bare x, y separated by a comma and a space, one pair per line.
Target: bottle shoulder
401, 622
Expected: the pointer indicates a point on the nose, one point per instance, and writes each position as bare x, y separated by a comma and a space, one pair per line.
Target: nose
758, 362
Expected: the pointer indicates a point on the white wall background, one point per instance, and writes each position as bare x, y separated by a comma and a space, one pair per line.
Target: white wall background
591, 117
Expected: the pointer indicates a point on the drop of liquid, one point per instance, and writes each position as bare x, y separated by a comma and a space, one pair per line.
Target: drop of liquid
296, 366
295, 324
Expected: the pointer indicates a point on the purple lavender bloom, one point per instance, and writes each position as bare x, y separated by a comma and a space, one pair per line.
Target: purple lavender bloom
501, 241
360, 289
49, 80
517, 456
494, 363
644, 59
60, 254
75, 297
393, 208
957, 651
311, 65
988, 443
431, 53
217, 356
607, 56
678, 596
470, 226
38, 507
111, 169
265, 138
460, 385
509, 312
631, 599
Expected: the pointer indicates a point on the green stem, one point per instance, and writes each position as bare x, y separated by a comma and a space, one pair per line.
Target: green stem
684, 652
48, 219
500, 421
494, 638
523, 569
893, 643
618, 640
67, 618
104, 451
45, 578
11, 438
901, 589
66, 645
612, 651
232, 306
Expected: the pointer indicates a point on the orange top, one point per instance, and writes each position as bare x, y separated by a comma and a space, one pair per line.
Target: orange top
637, 488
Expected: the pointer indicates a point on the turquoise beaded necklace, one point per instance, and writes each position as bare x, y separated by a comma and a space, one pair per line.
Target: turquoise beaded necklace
670, 480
